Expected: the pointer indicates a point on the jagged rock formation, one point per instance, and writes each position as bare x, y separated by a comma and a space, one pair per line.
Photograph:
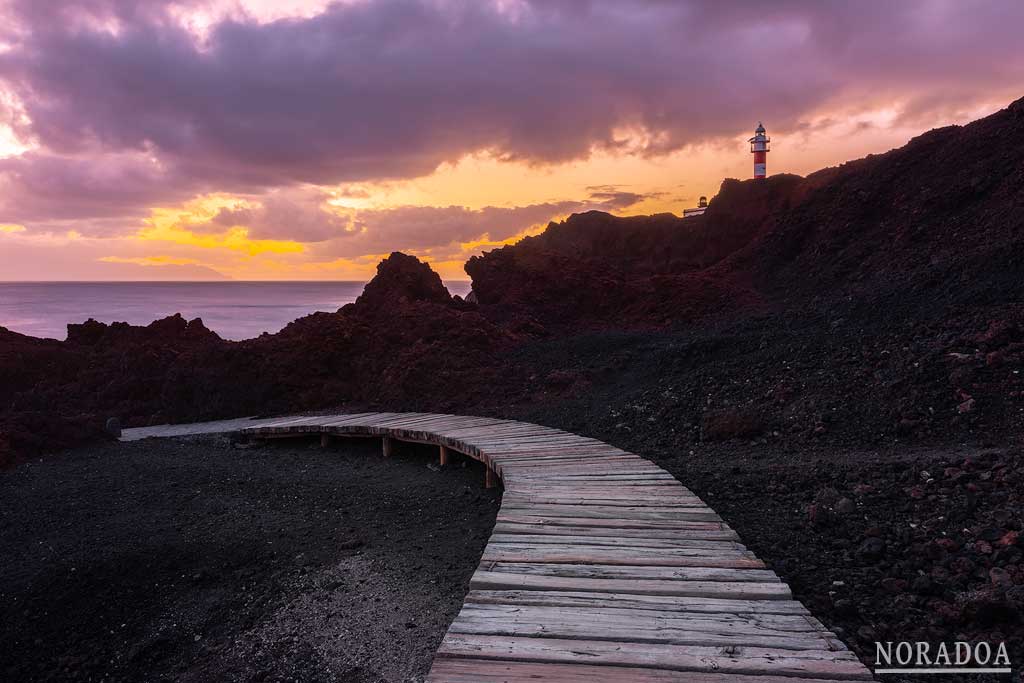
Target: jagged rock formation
405, 342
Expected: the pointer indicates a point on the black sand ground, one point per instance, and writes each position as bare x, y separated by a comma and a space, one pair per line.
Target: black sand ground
193, 560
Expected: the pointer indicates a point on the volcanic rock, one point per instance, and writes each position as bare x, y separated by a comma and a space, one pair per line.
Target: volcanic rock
871, 548
402, 279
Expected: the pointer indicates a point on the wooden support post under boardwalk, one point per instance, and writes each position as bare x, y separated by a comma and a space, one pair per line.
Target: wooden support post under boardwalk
444, 456
325, 440
491, 480
386, 446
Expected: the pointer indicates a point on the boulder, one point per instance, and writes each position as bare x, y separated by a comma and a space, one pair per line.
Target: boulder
403, 279
871, 548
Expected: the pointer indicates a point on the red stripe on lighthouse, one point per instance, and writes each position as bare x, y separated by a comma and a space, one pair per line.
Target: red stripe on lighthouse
760, 164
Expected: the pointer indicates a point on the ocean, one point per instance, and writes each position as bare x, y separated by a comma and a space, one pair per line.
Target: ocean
234, 310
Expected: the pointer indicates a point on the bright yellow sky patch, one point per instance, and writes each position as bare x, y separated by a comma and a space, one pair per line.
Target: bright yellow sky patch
175, 226
232, 239
152, 260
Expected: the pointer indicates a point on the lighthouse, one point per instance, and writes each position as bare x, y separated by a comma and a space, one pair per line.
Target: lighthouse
759, 148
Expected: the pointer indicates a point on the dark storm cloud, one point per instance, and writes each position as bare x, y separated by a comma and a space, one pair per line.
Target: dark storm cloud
392, 88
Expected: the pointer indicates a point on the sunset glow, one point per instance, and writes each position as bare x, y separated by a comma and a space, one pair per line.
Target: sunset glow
304, 140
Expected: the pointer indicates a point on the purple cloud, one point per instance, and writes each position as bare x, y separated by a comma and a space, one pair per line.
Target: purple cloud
392, 88
102, 195
304, 216
423, 228
296, 214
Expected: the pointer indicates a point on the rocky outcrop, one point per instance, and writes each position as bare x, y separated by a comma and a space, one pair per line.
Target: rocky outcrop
173, 329
402, 279
599, 269
404, 343
878, 299
934, 224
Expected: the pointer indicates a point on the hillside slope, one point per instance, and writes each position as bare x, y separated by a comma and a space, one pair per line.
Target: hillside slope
939, 220
880, 299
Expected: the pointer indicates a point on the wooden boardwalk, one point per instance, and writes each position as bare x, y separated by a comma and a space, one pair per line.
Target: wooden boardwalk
601, 567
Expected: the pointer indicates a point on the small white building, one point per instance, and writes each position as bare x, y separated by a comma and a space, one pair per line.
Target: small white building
702, 206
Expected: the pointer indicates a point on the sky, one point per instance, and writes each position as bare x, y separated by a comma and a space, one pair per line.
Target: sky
306, 140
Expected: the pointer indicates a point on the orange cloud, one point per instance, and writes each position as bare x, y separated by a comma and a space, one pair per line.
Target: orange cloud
173, 225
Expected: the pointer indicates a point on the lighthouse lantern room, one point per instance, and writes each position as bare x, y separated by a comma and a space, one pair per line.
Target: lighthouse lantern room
759, 148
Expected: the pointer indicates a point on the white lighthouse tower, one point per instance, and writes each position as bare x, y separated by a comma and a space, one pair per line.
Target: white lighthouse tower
759, 148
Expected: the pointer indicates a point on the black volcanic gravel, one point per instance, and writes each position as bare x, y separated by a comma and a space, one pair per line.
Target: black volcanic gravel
193, 559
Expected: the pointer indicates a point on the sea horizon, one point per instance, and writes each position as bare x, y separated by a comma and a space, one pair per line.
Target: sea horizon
44, 308
197, 282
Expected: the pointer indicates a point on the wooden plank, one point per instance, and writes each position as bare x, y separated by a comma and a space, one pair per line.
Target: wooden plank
616, 513
587, 457
583, 461
637, 602
553, 455
662, 487
530, 437
639, 553
526, 517
735, 590
609, 490
553, 473
643, 537
713, 622
652, 557
524, 479
551, 446
596, 626
569, 507
617, 540
742, 660
520, 501
462, 424
541, 447
636, 571
401, 419
482, 431
665, 494
501, 671
366, 421
589, 475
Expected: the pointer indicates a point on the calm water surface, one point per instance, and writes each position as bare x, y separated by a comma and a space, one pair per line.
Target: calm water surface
234, 310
